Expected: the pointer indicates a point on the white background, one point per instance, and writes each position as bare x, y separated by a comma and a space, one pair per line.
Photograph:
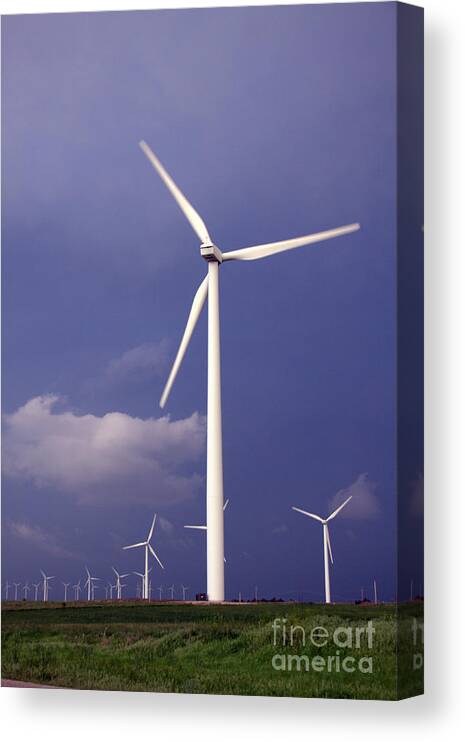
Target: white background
56, 715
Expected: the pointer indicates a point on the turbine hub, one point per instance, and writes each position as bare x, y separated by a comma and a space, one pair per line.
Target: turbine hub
211, 253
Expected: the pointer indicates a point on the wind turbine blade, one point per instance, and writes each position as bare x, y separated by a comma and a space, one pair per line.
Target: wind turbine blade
153, 553
151, 528
139, 574
196, 308
199, 528
43, 574
114, 570
333, 515
263, 251
225, 504
126, 575
188, 210
133, 546
310, 515
328, 541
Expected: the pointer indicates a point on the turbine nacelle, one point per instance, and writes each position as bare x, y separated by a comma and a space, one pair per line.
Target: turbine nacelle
211, 253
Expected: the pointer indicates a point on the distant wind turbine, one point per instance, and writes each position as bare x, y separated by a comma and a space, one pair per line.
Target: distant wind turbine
66, 586
77, 590
171, 590
160, 590
118, 582
45, 585
26, 590
148, 547
7, 589
210, 285
17, 585
89, 584
184, 591
36, 586
326, 541
375, 592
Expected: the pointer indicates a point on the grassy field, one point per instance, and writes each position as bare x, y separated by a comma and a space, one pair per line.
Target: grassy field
226, 649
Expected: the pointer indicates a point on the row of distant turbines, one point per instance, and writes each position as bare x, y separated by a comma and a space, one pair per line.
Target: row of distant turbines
114, 590
41, 590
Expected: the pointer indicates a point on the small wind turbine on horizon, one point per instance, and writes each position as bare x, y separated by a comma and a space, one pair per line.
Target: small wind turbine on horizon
160, 590
45, 585
326, 541
89, 584
142, 583
77, 590
184, 591
118, 582
26, 590
148, 547
7, 589
210, 285
66, 586
171, 590
36, 586
16, 585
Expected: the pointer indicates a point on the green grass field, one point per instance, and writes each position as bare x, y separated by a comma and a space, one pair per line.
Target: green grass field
224, 649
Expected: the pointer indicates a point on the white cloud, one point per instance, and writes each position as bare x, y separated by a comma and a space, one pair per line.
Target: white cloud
41, 539
364, 504
114, 457
144, 360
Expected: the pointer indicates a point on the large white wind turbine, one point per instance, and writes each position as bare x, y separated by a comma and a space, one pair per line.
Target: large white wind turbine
45, 585
89, 584
148, 547
214, 257
326, 541
118, 582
